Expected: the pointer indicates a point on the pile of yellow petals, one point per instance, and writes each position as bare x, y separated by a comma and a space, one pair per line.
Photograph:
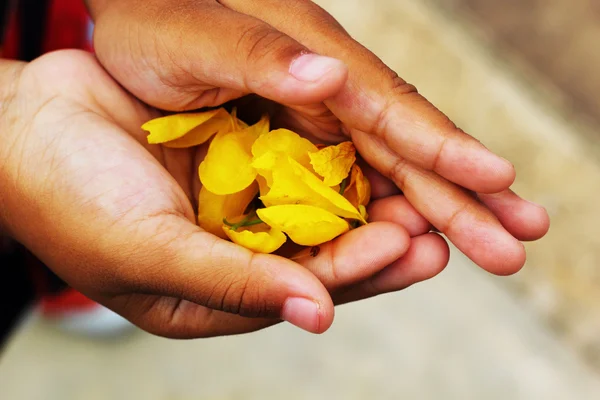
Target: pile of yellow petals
260, 187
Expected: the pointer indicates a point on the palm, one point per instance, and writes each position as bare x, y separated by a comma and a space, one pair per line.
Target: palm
113, 204
183, 59
151, 181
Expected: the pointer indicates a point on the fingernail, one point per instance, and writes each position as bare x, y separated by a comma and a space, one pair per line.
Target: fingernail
533, 204
312, 67
303, 313
507, 162
488, 152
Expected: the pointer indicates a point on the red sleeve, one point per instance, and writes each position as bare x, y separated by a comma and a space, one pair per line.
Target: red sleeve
68, 26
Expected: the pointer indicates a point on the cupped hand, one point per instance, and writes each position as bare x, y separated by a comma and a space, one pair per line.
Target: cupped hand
183, 55
112, 216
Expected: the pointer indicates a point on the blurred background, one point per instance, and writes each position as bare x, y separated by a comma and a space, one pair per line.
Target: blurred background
520, 75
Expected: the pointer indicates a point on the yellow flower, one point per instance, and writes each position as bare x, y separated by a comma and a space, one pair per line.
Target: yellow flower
305, 225
333, 163
188, 130
280, 142
237, 123
213, 208
294, 184
286, 142
358, 191
260, 187
260, 240
227, 167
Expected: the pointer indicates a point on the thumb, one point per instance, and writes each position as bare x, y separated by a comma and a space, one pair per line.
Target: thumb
209, 55
184, 262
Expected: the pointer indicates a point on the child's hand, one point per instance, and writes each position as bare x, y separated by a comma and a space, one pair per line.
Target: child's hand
112, 216
179, 55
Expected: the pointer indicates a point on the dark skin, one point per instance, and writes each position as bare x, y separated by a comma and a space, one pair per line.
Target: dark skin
185, 55
113, 216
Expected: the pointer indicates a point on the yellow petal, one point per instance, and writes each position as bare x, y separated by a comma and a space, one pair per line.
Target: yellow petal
286, 142
358, 191
238, 124
262, 185
260, 128
363, 211
305, 225
227, 167
333, 163
264, 165
212, 208
259, 242
201, 134
173, 127
294, 184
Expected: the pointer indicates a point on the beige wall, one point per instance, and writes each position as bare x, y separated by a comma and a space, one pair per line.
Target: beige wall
511, 109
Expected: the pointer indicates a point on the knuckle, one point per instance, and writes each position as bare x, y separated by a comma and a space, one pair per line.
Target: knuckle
240, 292
398, 172
334, 267
249, 297
327, 23
223, 290
261, 43
398, 86
438, 154
235, 297
240, 295
398, 91
404, 94
255, 292
452, 221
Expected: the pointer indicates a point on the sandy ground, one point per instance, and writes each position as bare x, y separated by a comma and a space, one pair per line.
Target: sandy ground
461, 336
558, 39
464, 335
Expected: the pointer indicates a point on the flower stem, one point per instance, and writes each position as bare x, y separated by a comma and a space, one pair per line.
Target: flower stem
250, 223
243, 223
344, 184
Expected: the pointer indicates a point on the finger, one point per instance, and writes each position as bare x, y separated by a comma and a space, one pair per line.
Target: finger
523, 219
380, 185
349, 259
398, 210
110, 220
214, 55
467, 223
375, 100
428, 256
176, 259
355, 255
181, 319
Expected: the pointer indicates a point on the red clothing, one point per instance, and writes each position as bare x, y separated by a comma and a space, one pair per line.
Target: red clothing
67, 26
63, 24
